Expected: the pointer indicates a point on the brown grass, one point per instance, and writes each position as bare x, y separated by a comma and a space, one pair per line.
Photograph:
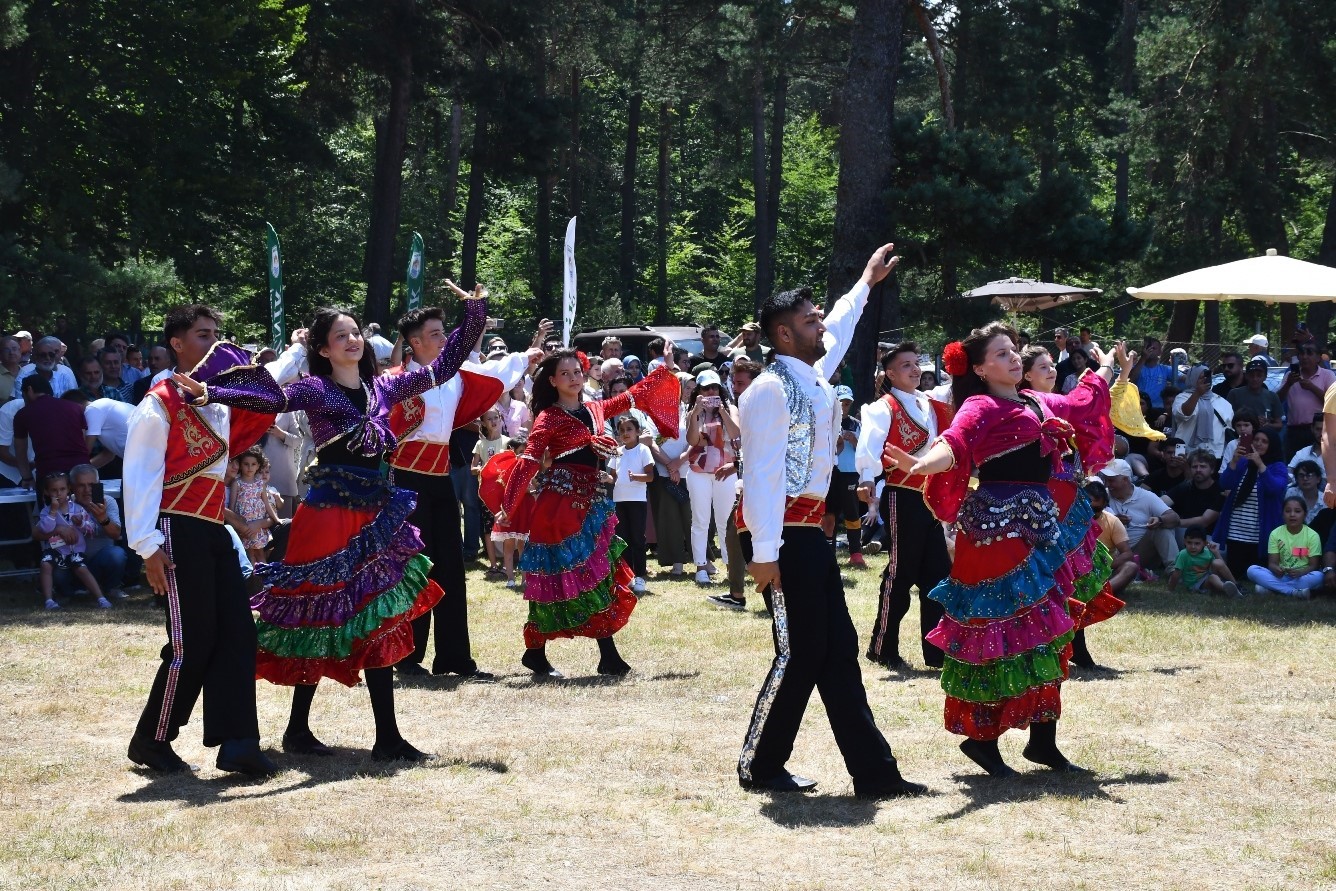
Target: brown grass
1214, 743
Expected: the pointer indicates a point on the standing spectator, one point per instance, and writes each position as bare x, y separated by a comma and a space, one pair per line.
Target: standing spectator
653, 354
56, 428
1231, 366
633, 469
709, 352
713, 434
107, 428
1292, 556
1201, 417
159, 360
669, 495
1148, 520
1256, 483
113, 378
1198, 500
516, 419
462, 441
283, 446
10, 366
744, 372
1149, 374
9, 465
1255, 396
842, 499
749, 343
610, 348
45, 364
1303, 391
1257, 349
106, 558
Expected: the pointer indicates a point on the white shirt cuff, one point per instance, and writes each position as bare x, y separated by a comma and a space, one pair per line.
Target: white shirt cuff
766, 551
151, 545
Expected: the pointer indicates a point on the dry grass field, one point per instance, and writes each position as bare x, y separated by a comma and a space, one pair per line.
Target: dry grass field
1213, 741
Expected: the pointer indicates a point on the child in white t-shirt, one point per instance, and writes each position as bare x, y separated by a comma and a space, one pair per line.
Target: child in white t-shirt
632, 469
491, 441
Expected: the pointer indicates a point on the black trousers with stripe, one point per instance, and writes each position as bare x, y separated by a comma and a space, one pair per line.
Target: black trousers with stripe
816, 648
210, 638
917, 555
437, 518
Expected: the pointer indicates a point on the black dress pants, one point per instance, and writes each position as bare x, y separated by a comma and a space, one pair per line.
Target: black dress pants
437, 518
917, 552
816, 647
210, 638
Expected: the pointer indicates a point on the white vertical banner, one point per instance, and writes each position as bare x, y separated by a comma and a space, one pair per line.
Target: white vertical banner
568, 287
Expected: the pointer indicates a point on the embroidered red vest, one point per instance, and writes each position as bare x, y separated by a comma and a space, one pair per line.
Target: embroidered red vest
478, 393
911, 436
192, 446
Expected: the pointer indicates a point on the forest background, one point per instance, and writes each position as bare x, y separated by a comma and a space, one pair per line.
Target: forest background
712, 152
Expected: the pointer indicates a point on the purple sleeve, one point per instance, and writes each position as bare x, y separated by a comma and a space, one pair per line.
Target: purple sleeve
46, 524
254, 389
85, 520
396, 388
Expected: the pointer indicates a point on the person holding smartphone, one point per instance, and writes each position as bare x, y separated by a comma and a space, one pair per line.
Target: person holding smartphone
106, 559
1302, 392
713, 435
1254, 486
1201, 418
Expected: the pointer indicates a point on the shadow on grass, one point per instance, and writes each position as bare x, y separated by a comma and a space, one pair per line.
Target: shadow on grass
1033, 785
80, 610
1265, 609
793, 811
192, 790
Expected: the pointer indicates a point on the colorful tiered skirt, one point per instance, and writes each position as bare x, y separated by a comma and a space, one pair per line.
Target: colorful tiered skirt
575, 580
1091, 562
353, 579
1007, 628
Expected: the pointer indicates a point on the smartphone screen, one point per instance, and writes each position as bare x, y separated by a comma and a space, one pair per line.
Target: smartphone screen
1245, 442
99, 494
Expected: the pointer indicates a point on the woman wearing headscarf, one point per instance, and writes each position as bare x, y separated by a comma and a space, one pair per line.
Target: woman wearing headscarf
1200, 417
1254, 486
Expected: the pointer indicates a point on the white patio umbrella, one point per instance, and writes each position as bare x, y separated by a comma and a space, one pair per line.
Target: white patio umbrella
1270, 279
1028, 295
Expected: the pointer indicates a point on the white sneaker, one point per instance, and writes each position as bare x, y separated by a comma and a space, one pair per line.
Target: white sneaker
117, 594
703, 578
638, 586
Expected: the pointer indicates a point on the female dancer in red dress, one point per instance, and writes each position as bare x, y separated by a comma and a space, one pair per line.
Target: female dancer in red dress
575, 581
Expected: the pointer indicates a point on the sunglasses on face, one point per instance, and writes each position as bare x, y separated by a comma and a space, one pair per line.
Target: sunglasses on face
45, 355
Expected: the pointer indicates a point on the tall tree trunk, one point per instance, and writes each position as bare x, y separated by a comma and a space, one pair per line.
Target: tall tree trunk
468, 251
1122, 162
778, 120
387, 190
663, 214
627, 275
451, 196
573, 167
867, 164
761, 242
938, 62
1319, 314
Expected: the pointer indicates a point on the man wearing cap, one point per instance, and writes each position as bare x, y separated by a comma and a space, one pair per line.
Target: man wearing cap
1150, 522
1256, 397
748, 343
1303, 391
916, 543
1257, 349
1150, 374
842, 499
1200, 417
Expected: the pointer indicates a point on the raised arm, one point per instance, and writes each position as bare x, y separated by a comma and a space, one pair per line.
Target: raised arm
657, 396
843, 317
529, 463
397, 388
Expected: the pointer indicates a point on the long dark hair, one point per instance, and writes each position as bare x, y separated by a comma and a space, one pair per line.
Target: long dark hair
1273, 454
318, 337
544, 391
968, 384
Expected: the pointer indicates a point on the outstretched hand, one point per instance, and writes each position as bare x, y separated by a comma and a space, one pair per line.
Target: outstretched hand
880, 264
189, 384
669, 357
903, 461
478, 293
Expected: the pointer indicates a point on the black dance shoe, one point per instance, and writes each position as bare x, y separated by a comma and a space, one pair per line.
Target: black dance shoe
1043, 749
412, 670
897, 788
305, 743
891, 662
785, 782
986, 755
536, 662
469, 674
244, 756
402, 750
615, 666
157, 756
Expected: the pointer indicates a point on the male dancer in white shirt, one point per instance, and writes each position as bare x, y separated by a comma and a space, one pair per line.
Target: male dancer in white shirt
421, 462
908, 419
176, 455
789, 421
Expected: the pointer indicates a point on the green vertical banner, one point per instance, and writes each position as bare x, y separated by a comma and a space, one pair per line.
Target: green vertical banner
413, 283
276, 333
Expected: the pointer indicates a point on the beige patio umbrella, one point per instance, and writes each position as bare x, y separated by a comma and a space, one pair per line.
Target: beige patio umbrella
1028, 295
1270, 279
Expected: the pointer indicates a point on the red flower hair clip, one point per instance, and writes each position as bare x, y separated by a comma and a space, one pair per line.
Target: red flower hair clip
954, 359
584, 361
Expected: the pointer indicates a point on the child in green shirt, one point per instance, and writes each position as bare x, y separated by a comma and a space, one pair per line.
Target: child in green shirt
1199, 566
1293, 552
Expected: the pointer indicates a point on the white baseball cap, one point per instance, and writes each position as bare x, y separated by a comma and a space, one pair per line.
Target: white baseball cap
708, 378
1258, 340
1117, 467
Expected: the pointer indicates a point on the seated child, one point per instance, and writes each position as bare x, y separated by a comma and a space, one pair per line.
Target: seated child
1292, 553
1113, 535
1199, 566
63, 525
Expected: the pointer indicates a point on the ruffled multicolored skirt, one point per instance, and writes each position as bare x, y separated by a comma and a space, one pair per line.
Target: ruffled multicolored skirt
1007, 628
575, 581
1092, 599
353, 579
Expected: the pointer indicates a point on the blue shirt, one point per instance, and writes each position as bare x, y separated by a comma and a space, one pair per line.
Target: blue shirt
844, 459
1152, 382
